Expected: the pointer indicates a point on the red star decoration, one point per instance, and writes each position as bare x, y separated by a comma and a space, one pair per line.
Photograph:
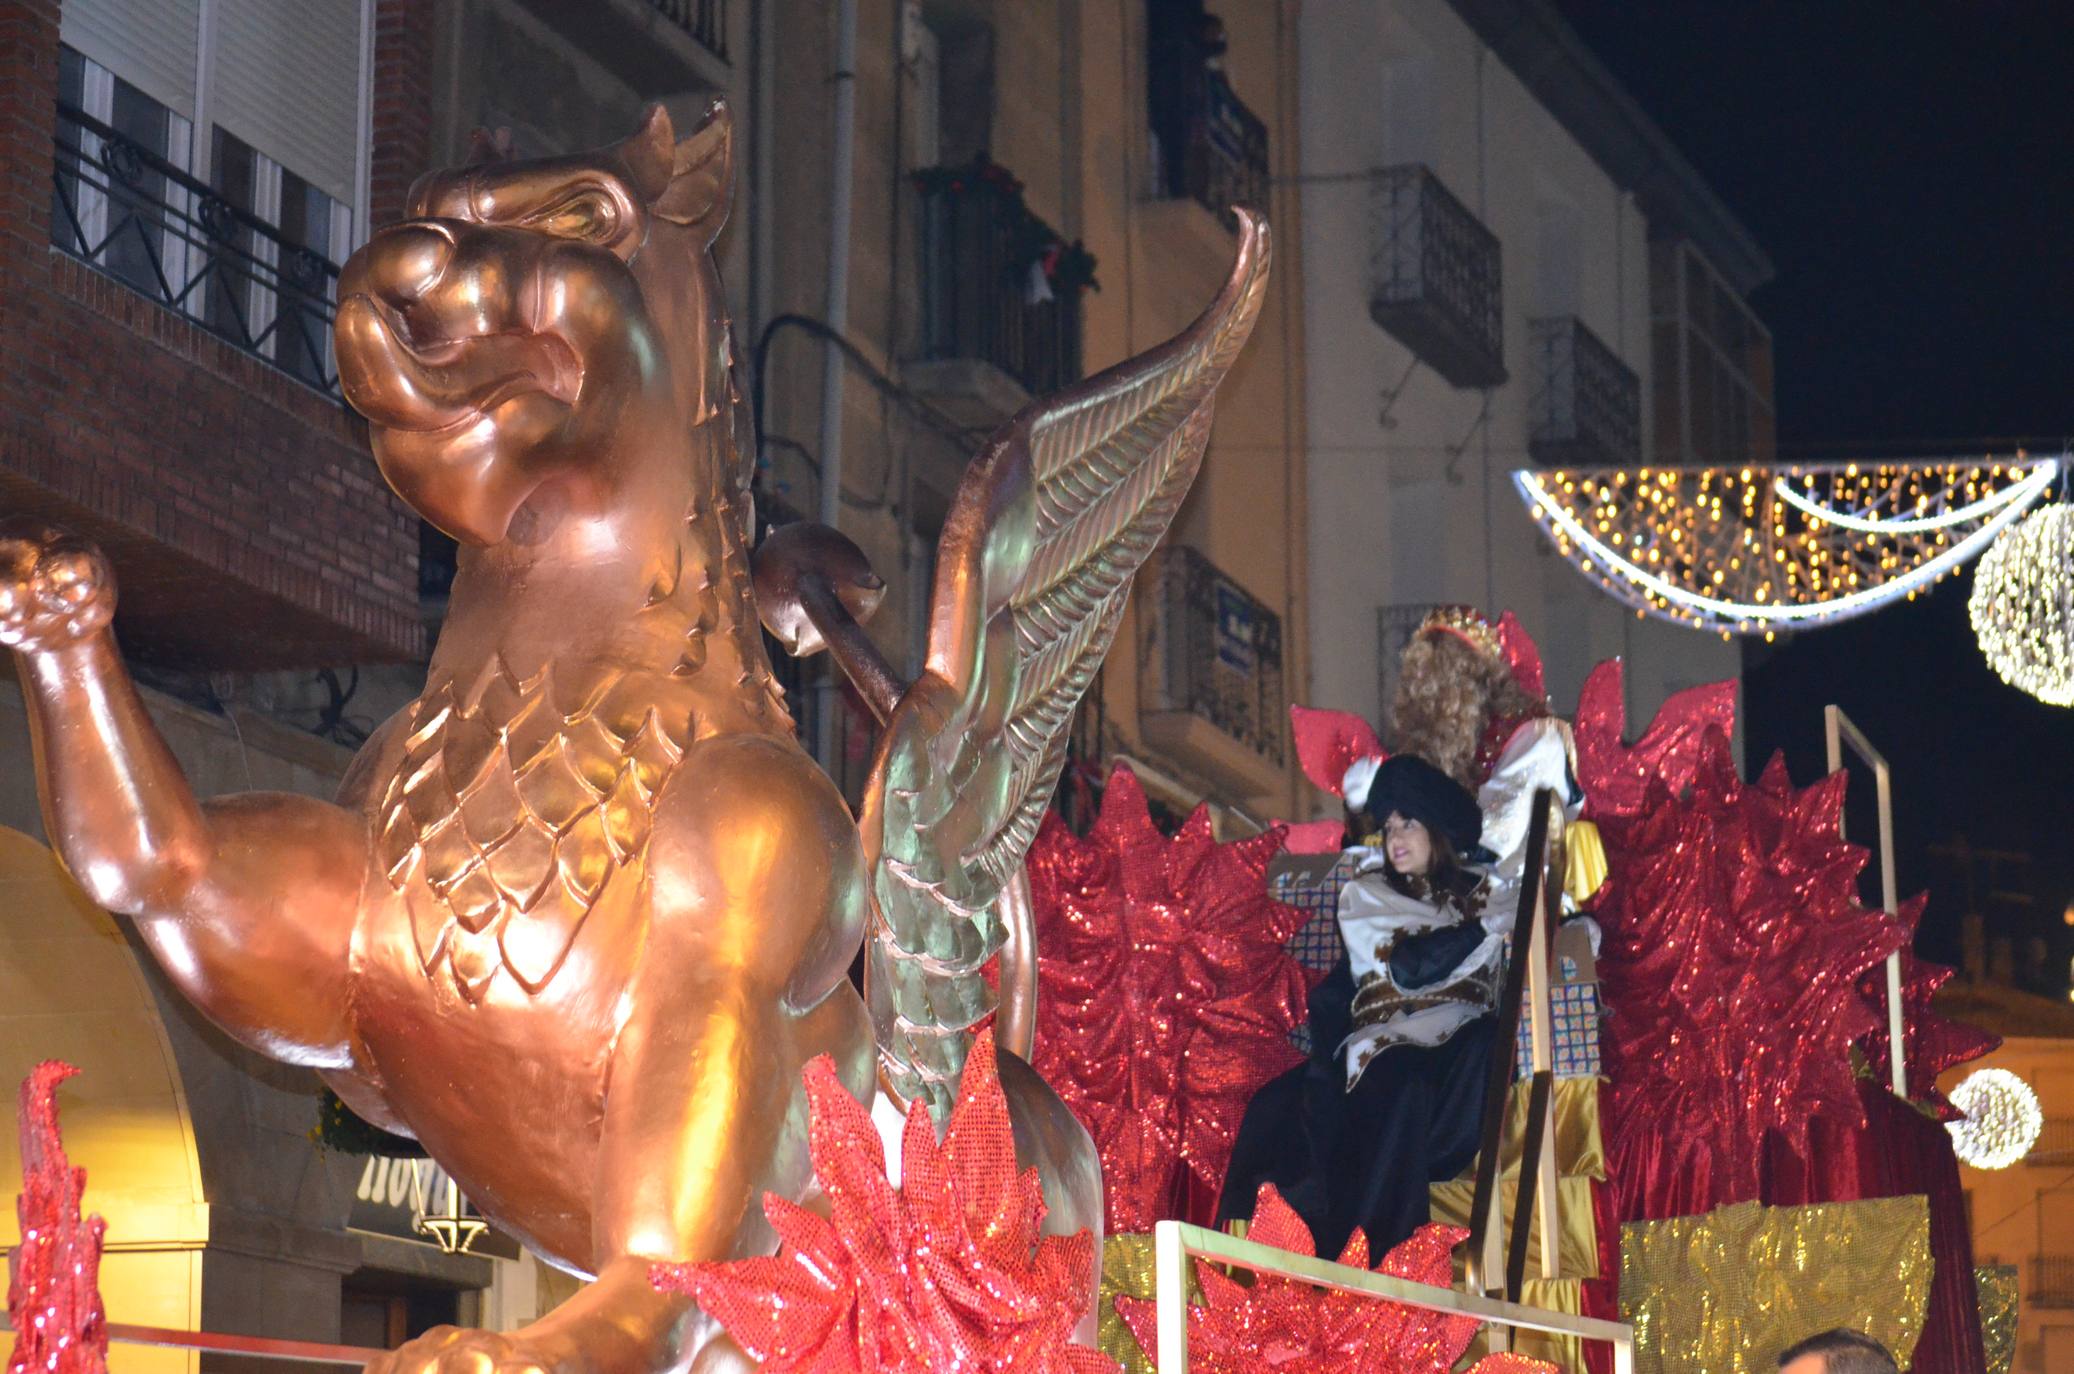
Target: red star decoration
1616, 776
1930, 1042
1735, 942
1165, 996
947, 1272
54, 1296
1278, 1323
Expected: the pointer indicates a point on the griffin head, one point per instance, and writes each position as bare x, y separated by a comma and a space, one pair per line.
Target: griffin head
543, 323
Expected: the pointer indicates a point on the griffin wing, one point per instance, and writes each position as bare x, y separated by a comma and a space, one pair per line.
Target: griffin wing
1049, 525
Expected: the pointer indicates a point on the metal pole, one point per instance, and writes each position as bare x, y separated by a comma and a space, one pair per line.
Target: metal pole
1840, 729
842, 159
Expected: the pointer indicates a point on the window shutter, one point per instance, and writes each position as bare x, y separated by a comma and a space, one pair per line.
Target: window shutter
286, 79
148, 43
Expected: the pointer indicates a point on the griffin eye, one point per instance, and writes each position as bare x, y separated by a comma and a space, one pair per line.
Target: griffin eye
590, 215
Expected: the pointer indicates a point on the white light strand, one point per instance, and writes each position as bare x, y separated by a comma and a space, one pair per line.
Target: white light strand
1944, 519
2021, 611
2001, 1122
1712, 549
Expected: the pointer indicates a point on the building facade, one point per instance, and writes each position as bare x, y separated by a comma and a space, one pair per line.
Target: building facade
2022, 1216
1506, 265
1038, 192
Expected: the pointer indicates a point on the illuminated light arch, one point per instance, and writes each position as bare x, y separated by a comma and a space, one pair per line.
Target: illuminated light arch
1760, 550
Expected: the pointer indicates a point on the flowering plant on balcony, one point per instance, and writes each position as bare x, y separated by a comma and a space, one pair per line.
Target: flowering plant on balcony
1034, 244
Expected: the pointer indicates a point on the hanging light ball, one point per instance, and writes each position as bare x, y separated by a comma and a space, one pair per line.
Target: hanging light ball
2001, 1121
2023, 605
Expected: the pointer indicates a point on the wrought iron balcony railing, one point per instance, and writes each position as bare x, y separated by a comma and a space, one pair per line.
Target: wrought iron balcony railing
986, 294
2051, 1281
130, 213
1222, 158
2055, 1143
1586, 408
1214, 651
704, 20
1435, 279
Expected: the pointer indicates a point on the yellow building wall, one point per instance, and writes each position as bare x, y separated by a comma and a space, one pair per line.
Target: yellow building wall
2026, 1212
70, 989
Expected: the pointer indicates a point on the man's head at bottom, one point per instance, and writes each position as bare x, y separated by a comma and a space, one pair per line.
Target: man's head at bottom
1841, 1351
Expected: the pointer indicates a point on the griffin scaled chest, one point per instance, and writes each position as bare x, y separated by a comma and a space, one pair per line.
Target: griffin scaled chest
515, 802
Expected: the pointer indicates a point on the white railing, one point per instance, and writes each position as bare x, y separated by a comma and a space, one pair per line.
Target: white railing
1841, 732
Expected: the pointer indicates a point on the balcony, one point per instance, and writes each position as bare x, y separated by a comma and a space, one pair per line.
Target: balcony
1210, 672
1213, 148
1712, 374
1586, 409
2050, 1281
134, 216
661, 48
1000, 297
704, 20
2055, 1144
1435, 279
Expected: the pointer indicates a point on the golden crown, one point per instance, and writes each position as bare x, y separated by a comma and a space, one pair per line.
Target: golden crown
1467, 624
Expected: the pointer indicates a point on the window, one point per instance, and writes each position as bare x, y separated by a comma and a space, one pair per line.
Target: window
119, 223
213, 154
947, 91
289, 320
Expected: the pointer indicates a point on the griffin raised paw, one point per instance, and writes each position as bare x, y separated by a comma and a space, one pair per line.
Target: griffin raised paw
55, 588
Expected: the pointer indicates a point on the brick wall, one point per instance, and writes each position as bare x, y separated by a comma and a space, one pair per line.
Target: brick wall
402, 103
248, 525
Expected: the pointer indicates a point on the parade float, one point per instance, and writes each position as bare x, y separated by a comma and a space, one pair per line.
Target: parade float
591, 874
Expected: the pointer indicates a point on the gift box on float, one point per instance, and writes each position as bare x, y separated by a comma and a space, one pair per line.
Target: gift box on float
1573, 1007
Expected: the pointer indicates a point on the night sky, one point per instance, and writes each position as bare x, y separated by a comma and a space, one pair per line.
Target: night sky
1910, 170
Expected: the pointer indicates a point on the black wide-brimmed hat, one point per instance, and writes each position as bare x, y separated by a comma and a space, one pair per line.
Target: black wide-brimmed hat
1416, 790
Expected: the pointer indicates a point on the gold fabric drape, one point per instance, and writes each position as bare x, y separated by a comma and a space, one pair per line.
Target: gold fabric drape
1577, 1252
1584, 862
1997, 1285
1727, 1291
1579, 1145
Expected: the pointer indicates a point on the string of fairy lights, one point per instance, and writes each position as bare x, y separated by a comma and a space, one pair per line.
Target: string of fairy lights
1764, 550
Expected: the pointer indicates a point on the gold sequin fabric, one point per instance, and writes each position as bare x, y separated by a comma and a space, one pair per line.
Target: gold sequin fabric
1127, 1269
1727, 1291
1997, 1285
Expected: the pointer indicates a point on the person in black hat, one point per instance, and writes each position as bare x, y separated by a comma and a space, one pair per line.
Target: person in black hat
1401, 1029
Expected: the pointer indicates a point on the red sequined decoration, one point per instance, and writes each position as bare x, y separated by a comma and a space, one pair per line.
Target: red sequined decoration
1522, 656
1930, 1043
54, 1295
1616, 776
1165, 996
1735, 942
946, 1272
1277, 1323
1327, 742
1313, 837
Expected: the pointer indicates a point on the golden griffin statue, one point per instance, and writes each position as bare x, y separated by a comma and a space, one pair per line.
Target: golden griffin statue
582, 912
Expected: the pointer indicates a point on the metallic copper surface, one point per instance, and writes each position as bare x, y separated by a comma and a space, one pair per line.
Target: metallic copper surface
583, 911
